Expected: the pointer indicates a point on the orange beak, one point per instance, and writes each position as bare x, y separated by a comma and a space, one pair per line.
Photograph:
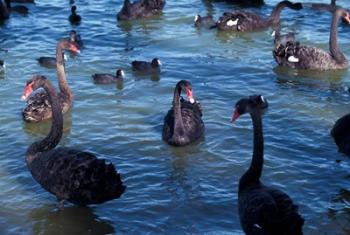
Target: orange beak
27, 91
235, 116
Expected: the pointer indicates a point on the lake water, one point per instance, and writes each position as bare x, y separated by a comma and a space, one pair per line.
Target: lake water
189, 190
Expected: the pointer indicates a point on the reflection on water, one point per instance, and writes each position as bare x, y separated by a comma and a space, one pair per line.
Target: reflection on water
43, 128
70, 220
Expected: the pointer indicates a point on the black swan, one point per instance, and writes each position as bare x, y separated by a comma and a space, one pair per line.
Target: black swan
341, 134
74, 18
73, 175
105, 78
183, 123
262, 209
146, 67
244, 21
140, 9
38, 106
205, 22
327, 7
4, 12
292, 54
19, 9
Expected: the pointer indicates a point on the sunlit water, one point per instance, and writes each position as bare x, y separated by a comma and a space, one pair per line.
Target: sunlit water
190, 190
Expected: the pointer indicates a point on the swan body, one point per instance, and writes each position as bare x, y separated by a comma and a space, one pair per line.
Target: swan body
263, 209
292, 54
73, 175
38, 106
183, 123
244, 21
341, 134
205, 22
104, 78
140, 9
146, 67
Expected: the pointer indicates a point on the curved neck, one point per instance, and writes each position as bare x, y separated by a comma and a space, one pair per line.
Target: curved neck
178, 123
61, 75
275, 14
333, 44
253, 174
55, 134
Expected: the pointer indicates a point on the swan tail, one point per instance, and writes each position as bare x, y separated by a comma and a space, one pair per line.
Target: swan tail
94, 181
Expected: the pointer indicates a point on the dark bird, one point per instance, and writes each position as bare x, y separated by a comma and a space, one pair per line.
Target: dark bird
75, 37
105, 78
262, 209
205, 22
328, 7
74, 18
140, 9
244, 21
19, 9
146, 67
292, 54
2, 66
38, 106
183, 123
341, 134
73, 175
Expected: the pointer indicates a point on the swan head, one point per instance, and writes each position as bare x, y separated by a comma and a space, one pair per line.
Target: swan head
187, 87
34, 83
345, 15
72, 46
251, 104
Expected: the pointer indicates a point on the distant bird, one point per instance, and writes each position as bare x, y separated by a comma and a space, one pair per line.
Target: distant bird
140, 9
263, 209
183, 123
74, 37
205, 22
19, 9
105, 78
70, 174
292, 54
146, 67
74, 18
2, 66
244, 21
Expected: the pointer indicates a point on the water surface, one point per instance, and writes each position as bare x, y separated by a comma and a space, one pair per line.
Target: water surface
190, 190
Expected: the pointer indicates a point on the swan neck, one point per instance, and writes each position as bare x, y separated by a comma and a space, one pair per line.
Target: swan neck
61, 75
275, 14
253, 174
55, 134
333, 39
178, 123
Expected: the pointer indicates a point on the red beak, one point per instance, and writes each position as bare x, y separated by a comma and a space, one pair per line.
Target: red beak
27, 91
189, 94
235, 116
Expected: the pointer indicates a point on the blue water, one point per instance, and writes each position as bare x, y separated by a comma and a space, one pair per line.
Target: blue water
190, 190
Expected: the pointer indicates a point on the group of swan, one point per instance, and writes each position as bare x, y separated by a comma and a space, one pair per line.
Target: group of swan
82, 178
